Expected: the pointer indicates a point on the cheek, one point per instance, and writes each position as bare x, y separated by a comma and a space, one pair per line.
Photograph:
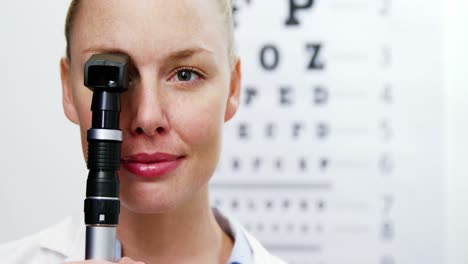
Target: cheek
199, 120
85, 124
82, 97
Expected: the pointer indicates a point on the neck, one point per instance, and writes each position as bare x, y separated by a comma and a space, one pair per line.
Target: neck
188, 234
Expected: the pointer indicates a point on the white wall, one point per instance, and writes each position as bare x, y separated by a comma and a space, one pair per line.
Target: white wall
43, 171
457, 133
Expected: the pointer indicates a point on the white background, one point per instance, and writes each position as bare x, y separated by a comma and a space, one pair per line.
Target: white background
43, 169
457, 130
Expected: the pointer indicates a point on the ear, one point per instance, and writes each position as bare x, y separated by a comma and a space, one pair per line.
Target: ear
67, 98
234, 91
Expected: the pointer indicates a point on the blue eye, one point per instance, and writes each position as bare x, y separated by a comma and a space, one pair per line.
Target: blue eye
186, 75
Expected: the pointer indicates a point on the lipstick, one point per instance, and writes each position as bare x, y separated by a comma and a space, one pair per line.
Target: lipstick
151, 166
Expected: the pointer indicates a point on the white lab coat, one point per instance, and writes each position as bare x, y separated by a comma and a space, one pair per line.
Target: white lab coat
66, 242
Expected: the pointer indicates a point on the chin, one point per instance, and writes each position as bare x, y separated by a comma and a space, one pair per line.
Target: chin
175, 191
151, 197
148, 205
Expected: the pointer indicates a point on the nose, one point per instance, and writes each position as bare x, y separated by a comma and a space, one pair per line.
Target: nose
145, 106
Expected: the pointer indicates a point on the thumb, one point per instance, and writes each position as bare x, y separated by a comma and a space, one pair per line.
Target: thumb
127, 260
90, 262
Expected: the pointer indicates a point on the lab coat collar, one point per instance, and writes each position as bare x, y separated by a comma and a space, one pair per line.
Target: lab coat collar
57, 239
66, 238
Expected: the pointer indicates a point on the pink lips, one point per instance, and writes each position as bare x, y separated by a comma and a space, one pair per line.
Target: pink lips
151, 166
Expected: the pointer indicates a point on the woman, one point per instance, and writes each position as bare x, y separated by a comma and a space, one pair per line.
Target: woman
185, 83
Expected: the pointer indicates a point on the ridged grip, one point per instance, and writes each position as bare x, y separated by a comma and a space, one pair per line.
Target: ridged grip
104, 155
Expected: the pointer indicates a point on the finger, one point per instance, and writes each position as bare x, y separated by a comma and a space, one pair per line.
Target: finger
90, 262
127, 260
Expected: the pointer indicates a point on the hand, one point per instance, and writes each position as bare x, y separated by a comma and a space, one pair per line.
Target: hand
123, 260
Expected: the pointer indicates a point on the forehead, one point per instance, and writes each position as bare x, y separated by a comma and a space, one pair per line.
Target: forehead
147, 28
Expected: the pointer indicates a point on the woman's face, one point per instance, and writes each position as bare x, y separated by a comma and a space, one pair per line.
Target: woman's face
181, 93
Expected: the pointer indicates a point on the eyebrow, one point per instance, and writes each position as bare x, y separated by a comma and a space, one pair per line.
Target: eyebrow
104, 49
175, 55
186, 53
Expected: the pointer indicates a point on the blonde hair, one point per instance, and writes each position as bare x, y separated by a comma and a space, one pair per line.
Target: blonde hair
225, 9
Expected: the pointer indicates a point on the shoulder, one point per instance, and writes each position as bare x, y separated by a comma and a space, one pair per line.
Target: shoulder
259, 253
54, 244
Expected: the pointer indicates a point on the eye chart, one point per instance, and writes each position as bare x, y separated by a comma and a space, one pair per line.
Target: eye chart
336, 153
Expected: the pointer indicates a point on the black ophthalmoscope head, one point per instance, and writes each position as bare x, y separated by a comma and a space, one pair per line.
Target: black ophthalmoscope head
106, 75
107, 72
